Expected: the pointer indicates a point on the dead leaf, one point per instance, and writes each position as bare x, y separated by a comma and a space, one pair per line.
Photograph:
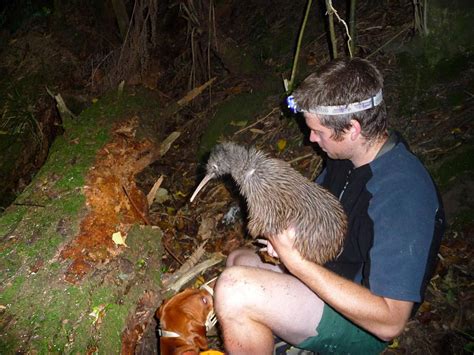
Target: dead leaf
257, 131
238, 123
98, 313
281, 144
179, 194
118, 239
206, 228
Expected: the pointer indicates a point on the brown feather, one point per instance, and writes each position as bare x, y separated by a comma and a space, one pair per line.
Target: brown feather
279, 197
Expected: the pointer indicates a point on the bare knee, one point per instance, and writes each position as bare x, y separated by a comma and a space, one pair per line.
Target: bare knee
248, 257
235, 309
230, 292
243, 257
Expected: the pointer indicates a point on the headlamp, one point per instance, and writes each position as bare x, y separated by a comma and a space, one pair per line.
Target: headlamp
290, 101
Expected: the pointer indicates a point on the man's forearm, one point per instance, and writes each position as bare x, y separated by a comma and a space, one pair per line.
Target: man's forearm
381, 316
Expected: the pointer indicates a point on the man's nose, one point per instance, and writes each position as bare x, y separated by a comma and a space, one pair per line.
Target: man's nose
313, 137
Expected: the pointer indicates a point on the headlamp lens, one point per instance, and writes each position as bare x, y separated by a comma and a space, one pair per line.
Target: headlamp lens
290, 100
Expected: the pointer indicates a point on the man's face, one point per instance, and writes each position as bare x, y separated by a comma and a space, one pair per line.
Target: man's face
322, 135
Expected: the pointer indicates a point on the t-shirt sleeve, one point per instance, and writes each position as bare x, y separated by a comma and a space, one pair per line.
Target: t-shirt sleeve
403, 213
320, 178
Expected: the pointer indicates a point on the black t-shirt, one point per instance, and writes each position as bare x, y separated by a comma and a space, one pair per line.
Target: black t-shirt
396, 222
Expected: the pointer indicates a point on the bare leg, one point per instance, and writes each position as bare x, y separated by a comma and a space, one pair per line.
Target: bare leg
248, 257
257, 300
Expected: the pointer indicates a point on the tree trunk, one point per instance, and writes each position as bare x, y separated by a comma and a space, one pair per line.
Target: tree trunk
122, 17
80, 267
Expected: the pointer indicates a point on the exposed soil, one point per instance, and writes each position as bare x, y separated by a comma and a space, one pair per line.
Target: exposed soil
444, 323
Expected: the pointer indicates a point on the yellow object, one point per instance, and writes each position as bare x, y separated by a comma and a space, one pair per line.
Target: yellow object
394, 344
211, 352
179, 194
281, 144
118, 239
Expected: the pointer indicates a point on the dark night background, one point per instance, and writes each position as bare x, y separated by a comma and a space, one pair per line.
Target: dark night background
89, 91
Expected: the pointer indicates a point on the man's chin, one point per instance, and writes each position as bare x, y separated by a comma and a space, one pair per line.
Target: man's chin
334, 156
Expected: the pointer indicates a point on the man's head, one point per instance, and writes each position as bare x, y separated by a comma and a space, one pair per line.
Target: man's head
341, 83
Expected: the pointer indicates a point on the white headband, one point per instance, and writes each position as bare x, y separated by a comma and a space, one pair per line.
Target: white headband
341, 109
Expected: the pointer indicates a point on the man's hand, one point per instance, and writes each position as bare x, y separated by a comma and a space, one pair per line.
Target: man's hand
281, 247
268, 247
382, 316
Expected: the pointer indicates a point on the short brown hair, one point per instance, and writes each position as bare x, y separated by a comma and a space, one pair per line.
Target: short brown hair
342, 82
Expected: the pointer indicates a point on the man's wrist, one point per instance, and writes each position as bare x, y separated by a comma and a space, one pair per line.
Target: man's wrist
300, 266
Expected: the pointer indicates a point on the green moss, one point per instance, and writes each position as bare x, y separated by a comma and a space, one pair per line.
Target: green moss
102, 296
456, 166
10, 292
110, 332
51, 314
9, 220
71, 205
440, 58
9, 343
240, 108
464, 218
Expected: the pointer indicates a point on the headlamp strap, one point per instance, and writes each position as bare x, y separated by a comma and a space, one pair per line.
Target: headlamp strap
338, 109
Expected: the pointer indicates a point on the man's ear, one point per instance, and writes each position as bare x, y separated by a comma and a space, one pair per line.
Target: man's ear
355, 130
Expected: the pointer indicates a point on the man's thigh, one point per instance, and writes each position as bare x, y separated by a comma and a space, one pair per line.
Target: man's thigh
278, 300
338, 335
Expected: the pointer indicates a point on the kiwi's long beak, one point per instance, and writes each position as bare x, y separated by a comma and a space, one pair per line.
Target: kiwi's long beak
201, 185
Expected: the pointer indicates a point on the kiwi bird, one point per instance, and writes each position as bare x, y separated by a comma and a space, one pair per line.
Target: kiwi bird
278, 197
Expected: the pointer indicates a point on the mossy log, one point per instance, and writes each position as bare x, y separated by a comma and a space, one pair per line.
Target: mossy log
65, 285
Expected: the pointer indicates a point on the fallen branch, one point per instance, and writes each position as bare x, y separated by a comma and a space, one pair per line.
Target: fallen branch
389, 41
156, 153
191, 95
256, 122
186, 266
170, 252
301, 158
185, 278
192, 260
151, 195
64, 112
166, 144
136, 208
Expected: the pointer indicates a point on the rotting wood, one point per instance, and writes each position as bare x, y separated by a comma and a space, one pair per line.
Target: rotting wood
44, 312
138, 321
145, 219
115, 202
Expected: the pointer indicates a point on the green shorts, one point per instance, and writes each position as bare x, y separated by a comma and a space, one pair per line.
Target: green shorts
338, 335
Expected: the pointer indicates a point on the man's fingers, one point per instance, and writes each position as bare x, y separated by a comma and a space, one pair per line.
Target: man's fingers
268, 247
271, 251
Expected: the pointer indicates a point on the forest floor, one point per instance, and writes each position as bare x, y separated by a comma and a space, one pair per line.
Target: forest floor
439, 133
